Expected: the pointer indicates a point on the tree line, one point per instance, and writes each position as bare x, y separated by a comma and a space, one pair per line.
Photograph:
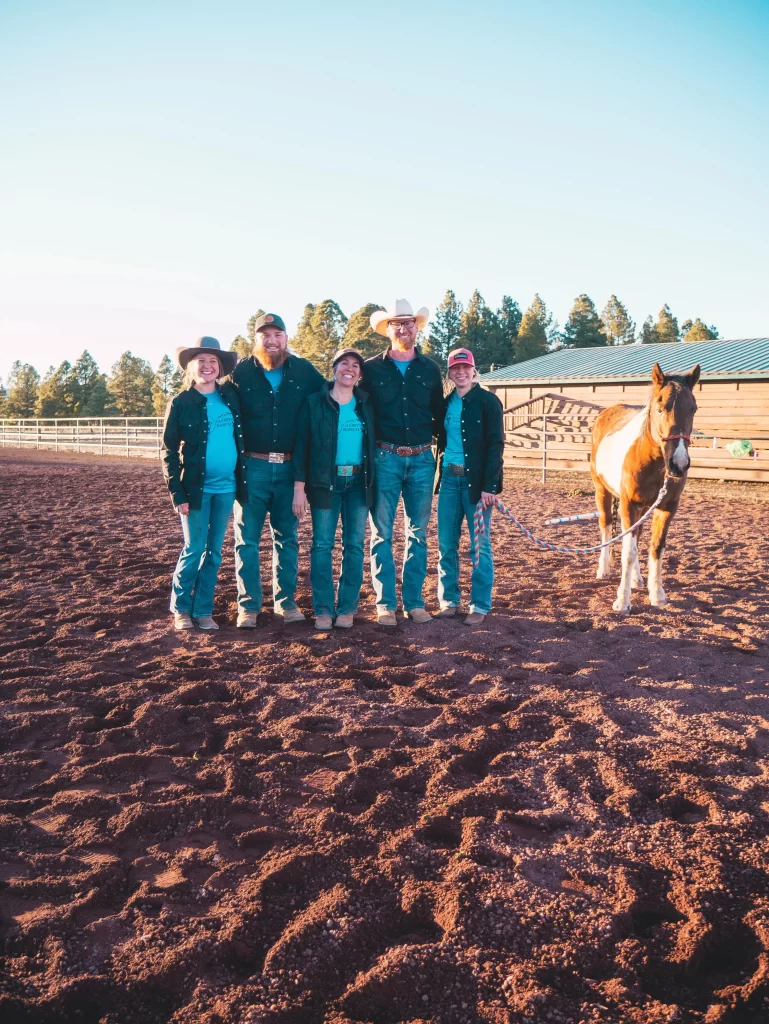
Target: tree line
497, 337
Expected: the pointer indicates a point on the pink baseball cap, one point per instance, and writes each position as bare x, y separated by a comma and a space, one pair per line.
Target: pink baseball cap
460, 357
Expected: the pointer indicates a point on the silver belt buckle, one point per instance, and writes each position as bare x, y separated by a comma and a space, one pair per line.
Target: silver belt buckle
344, 470
404, 450
276, 457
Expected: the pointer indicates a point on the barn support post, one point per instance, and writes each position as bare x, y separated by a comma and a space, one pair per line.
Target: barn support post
544, 448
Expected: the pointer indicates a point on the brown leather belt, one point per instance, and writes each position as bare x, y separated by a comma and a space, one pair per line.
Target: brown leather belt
269, 456
348, 470
402, 449
456, 470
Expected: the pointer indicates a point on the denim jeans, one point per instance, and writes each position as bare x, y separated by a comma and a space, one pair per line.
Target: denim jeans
454, 505
192, 590
270, 490
411, 476
349, 501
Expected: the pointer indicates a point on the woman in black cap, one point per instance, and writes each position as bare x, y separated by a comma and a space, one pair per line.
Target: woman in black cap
334, 471
204, 467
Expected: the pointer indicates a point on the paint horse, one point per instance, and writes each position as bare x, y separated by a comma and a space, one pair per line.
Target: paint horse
634, 452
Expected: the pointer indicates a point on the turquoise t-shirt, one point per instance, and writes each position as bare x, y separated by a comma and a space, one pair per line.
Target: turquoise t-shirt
455, 453
221, 453
275, 377
349, 438
403, 364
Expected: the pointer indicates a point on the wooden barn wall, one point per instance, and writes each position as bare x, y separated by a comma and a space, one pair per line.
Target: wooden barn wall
749, 400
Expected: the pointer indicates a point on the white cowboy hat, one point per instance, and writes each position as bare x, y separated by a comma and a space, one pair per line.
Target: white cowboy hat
399, 310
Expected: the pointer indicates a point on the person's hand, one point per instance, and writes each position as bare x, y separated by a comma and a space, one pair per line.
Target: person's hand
183, 509
299, 506
487, 498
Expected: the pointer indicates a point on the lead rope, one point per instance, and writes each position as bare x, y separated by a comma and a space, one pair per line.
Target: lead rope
479, 528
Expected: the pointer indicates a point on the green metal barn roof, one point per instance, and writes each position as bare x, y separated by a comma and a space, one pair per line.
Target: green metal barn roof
740, 359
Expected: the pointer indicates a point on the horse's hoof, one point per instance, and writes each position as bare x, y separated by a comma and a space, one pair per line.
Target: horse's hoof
659, 601
618, 606
602, 574
637, 584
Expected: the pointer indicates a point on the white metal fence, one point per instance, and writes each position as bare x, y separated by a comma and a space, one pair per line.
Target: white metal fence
108, 435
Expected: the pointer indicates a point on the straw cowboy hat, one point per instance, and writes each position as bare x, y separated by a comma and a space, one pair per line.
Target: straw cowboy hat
399, 310
207, 346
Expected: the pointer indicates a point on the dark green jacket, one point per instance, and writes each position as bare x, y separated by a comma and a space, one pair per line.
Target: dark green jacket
269, 418
407, 407
185, 433
315, 453
483, 440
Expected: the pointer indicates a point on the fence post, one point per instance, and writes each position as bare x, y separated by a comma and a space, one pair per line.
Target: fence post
77, 435
127, 440
544, 448
101, 436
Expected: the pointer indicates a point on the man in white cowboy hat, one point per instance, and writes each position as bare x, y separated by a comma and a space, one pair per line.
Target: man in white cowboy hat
407, 396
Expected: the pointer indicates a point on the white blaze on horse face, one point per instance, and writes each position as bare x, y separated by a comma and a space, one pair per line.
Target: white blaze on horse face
612, 451
681, 456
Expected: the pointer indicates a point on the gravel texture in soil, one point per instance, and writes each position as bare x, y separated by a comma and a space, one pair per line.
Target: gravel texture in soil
560, 816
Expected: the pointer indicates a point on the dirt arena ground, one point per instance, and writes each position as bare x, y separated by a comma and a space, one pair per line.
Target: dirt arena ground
561, 816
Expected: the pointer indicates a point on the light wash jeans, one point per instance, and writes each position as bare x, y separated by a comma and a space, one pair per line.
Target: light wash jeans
413, 477
192, 589
454, 505
349, 500
270, 490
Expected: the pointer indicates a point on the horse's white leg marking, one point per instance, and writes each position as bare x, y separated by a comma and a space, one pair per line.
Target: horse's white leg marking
636, 578
604, 559
681, 456
629, 554
657, 596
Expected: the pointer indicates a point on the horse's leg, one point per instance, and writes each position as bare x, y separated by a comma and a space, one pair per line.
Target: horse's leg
629, 555
660, 526
603, 500
636, 579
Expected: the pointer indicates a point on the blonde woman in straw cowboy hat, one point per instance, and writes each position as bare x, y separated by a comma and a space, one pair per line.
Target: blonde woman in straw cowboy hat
204, 468
406, 391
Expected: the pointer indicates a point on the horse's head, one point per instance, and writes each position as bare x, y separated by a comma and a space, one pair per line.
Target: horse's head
671, 415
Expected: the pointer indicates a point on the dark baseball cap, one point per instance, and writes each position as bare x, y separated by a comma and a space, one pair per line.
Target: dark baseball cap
269, 320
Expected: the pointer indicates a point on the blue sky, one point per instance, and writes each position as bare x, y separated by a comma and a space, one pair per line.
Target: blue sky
168, 167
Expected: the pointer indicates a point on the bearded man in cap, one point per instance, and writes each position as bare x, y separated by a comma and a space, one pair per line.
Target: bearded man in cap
272, 385
406, 389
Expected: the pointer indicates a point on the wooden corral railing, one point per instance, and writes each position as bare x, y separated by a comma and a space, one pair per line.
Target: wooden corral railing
107, 435
553, 432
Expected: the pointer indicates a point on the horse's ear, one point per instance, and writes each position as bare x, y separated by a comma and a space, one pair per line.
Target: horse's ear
693, 376
658, 377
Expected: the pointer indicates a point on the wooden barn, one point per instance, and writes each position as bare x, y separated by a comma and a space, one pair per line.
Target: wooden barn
550, 402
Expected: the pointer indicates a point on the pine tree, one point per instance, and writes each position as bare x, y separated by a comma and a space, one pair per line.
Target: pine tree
617, 325
243, 347
666, 327
23, 385
482, 332
252, 324
534, 334
584, 328
56, 395
320, 333
359, 333
698, 331
3, 398
130, 385
509, 316
445, 328
646, 334
91, 395
165, 384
